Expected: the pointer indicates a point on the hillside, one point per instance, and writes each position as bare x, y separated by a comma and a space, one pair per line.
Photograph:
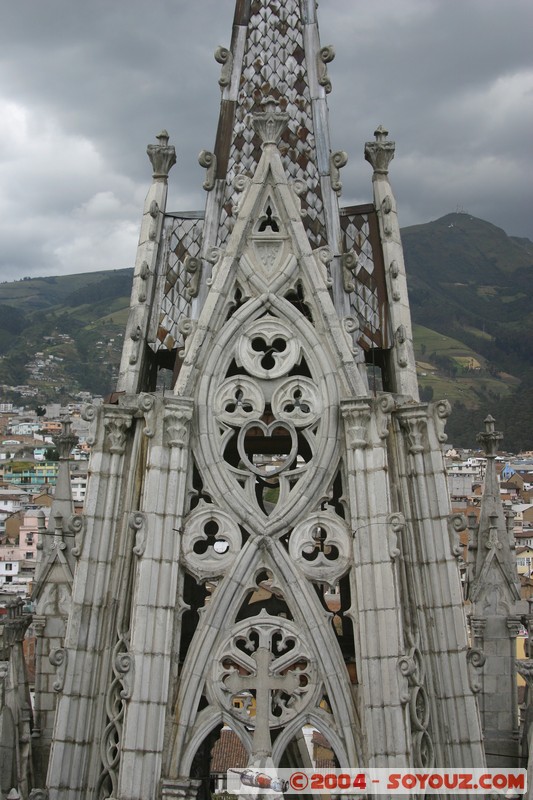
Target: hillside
469, 280
63, 334
469, 286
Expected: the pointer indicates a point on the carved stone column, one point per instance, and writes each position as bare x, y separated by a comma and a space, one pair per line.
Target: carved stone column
432, 583
142, 323
157, 550
477, 627
83, 660
375, 611
403, 367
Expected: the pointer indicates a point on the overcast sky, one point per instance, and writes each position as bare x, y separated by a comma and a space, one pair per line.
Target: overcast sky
85, 85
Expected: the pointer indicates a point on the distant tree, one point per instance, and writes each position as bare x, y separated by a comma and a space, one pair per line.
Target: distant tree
51, 454
40, 411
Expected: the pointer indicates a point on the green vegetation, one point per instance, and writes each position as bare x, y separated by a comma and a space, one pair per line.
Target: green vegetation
469, 287
75, 321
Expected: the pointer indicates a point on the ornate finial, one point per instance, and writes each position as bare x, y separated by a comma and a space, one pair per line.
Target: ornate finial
381, 152
490, 438
381, 134
270, 123
65, 441
162, 156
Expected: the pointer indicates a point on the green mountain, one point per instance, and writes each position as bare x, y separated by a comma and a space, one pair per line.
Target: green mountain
469, 286
469, 280
74, 323
470, 293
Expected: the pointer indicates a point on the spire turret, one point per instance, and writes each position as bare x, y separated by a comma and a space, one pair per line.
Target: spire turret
494, 593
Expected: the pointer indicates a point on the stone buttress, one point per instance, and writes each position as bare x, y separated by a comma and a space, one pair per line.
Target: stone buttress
493, 590
268, 542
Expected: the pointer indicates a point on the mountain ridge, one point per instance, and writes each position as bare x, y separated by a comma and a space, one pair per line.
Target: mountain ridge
469, 288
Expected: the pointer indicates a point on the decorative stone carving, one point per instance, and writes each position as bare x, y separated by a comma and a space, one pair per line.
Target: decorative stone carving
394, 272
324, 257
135, 336
298, 188
89, 413
225, 57
381, 152
210, 543
490, 439
268, 348
146, 408
241, 182
456, 524
269, 253
297, 400
144, 274
325, 56
407, 666
283, 462
477, 626
357, 416
400, 342
154, 212
415, 427
162, 157
208, 160
193, 266
17, 622
384, 407
351, 328
336, 162
268, 656
58, 658
350, 264
118, 692
411, 668
65, 441
239, 400
76, 527
321, 546
176, 423
475, 660
270, 124
396, 524
186, 327
441, 410
137, 522
116, 427
124, 666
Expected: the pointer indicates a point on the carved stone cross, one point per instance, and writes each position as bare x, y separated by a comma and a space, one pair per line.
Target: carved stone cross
263, 683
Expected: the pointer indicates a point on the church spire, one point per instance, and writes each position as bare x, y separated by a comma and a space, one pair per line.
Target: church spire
275, 52
268, 464
495, 619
